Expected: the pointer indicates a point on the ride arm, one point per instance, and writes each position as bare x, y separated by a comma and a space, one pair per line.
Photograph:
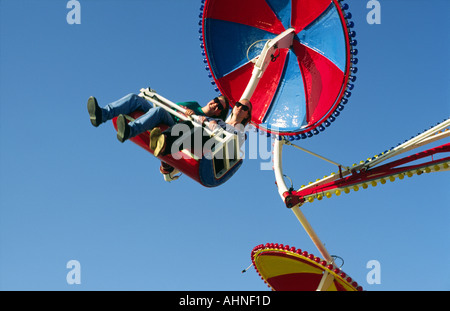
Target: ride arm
172, 108
282, 41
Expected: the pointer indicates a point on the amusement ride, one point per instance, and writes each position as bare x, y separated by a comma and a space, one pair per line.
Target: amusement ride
296, 61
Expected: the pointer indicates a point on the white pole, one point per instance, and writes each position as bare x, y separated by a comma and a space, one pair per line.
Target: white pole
312, 234
282, 41
282, 188
412, 143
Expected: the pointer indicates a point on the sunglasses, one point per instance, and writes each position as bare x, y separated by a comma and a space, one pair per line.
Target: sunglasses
219, 104
243, 107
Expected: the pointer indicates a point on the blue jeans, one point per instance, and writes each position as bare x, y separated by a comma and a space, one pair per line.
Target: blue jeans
132, 102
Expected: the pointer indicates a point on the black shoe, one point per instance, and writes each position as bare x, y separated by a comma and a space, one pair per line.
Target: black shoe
123, 129
166, 168
95, 112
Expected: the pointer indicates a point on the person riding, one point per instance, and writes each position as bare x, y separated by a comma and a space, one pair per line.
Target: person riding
217, 107
161, 142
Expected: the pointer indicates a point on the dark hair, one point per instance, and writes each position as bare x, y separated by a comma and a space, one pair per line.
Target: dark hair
246, 120
224, 113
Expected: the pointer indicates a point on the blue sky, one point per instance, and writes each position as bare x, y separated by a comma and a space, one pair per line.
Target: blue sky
69, 191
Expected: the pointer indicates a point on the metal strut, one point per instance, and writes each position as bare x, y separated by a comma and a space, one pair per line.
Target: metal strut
283, 41
372, 171
286, 197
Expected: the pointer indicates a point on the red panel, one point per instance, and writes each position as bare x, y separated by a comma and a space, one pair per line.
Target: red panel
305, 12
339, 286
295, 282
323, 82
267, 87
188, 166
300, 282
255, 13
234, 84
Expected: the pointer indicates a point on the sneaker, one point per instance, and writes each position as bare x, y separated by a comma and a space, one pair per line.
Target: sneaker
160, 145
166, 168
172, 176
123, 129
169, 172
95, 112
154, 134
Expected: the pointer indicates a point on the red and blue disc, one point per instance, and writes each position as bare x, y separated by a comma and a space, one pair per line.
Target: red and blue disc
305, 87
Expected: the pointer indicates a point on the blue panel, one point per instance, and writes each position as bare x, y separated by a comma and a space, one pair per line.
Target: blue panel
326, 36
288, 110
206, 173
225, 57
282, 9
